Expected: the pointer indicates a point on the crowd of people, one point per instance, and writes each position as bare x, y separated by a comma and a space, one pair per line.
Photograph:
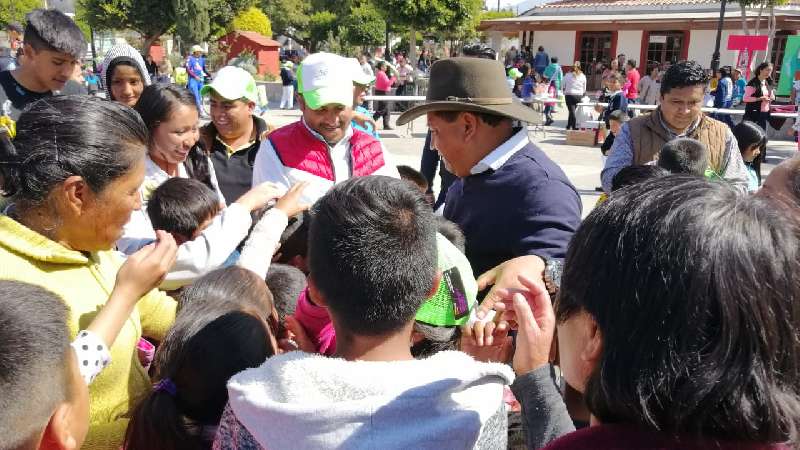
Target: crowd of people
166, 285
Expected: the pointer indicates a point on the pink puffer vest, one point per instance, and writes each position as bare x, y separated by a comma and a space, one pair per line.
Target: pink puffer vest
298, 149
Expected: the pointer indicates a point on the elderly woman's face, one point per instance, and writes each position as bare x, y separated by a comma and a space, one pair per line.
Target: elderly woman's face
103, 214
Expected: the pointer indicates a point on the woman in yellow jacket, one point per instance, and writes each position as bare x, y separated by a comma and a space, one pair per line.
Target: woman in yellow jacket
73, 174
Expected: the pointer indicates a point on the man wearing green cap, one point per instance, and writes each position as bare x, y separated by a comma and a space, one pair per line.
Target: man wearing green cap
235, 134
322, 148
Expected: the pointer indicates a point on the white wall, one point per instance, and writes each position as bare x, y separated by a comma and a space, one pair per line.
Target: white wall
701, 47
629, 43
556, 43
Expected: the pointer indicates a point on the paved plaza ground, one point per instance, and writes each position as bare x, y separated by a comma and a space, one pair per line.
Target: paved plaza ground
581, 164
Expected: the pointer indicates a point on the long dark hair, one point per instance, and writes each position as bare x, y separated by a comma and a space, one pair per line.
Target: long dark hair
755, 82
694, 289
156, 105
64, 136
748, 134
215, 336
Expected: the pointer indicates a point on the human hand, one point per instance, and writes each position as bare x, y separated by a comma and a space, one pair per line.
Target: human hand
506, 277
144, 270
364, 121
290, 202
259, 196
298, 338
499, 350
533, 313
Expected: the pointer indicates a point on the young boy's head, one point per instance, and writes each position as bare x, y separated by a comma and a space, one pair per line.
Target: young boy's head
413, 176
614, 81
452, 232
53, 47
631, 175
286, 283
684, 155
44, 401
182, 207
372, 255
615, 121
294, 243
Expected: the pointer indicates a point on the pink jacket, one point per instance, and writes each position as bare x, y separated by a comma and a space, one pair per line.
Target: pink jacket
748, 98
382, 82
317, 323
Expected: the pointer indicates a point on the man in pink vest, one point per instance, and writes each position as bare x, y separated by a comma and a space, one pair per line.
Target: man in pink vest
322, 148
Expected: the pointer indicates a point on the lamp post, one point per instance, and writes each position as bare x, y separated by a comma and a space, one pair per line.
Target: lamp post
715, 56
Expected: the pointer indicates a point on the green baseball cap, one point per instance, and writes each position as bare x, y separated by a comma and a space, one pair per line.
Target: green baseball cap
458, 291
324, 79
233, 83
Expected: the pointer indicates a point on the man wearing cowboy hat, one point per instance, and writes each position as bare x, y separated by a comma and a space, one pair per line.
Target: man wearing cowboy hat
510, 199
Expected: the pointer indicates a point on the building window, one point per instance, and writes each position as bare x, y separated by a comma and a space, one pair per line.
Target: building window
778, 50
595, 50
664, 48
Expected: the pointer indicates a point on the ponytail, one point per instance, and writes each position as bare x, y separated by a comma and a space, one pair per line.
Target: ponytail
158, 423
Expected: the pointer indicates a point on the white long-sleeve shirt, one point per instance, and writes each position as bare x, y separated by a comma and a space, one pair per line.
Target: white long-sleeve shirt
196, 257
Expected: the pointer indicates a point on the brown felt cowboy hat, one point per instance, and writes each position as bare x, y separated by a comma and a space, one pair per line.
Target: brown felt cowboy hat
469, 84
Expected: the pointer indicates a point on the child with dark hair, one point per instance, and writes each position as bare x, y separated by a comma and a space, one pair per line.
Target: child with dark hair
752, 140
183, 207
286, 284
53, 46
452, 232
44, 402
413, 176
124, 74
373, 260
294, 243
617, 100
225, 324
615, 121
685, 155
631, 175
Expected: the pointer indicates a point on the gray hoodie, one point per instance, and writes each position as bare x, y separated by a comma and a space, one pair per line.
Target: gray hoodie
122, 53
303, 401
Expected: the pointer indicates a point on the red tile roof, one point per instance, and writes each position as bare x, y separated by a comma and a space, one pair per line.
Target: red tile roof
259, 39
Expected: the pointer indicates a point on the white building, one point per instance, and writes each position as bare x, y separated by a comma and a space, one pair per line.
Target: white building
652, 32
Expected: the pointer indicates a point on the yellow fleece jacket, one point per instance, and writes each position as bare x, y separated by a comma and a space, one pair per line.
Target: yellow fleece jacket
84, 281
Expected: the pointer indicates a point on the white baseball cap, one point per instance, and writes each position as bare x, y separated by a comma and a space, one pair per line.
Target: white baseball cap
359, 77
325, 79
233, 83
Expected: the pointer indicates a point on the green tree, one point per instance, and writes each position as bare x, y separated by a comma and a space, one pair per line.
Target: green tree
453, 17
222, 12
330, 24
192, 20
321, 25
289, 18
253, 19
364, 26
15, 10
